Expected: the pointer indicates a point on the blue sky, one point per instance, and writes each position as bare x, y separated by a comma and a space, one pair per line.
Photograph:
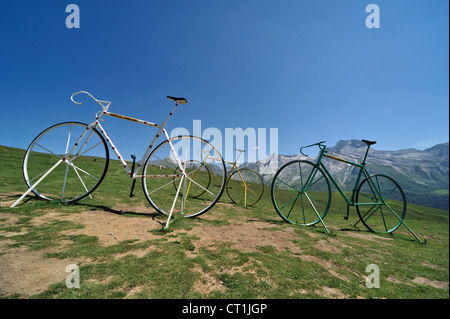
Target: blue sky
312, 69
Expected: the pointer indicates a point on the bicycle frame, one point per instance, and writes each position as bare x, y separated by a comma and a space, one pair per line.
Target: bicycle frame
362, 171
233, 166
161, 127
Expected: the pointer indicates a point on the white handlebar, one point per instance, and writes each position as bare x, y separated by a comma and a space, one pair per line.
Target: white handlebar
98, 101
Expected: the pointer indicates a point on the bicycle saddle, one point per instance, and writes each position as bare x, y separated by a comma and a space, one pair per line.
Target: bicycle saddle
369, 142
178, 100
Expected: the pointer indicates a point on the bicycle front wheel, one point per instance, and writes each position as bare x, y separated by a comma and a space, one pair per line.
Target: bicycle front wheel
301, 193
245, 187
380, 203
193, 194
83, 155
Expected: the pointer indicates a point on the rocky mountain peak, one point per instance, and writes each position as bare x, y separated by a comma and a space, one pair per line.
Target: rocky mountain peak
348, 143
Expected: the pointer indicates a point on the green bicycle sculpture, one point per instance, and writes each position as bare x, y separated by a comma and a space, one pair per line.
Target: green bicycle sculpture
301, 194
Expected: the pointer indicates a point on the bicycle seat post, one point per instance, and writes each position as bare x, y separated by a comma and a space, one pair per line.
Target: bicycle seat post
240, 152
367, 151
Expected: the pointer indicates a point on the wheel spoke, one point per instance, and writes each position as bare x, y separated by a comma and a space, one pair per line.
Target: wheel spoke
288, 185
68, 141
163, 186
80, 154
293, 204
81, 180
83, 171
315, 210
65, 180
49, 151
38, 175
294, 199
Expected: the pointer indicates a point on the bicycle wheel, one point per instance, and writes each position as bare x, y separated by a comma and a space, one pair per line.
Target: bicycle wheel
301, 194
201, 172
245, 187
380, 203
84, 157
161, 171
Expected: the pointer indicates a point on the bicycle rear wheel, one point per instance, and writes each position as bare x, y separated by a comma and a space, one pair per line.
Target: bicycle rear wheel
301, 193
161, 171
245, 187
380, 203
84, 157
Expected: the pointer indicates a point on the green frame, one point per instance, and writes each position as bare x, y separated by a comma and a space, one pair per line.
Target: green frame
362, 166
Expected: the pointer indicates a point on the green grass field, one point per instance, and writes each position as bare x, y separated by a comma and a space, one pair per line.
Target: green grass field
229, 252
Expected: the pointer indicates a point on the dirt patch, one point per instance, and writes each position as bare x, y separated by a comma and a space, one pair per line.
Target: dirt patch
207, 283
29, 272
7, 220
6, 200
326, 246
432, 266
371, 237
245, 237
331, 293
397, 281
330, 267
109, 228
429, 282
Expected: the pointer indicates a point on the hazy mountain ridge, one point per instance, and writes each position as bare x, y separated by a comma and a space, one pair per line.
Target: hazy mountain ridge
423, 175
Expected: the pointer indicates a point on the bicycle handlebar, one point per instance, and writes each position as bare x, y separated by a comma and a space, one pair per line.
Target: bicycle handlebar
97, 101
319, 144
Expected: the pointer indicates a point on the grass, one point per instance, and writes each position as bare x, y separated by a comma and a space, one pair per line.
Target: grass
230, 252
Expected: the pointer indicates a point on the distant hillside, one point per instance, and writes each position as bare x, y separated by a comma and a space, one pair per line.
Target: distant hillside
423, 175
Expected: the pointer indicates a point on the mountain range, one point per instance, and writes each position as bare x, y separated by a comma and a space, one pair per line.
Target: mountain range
423, 175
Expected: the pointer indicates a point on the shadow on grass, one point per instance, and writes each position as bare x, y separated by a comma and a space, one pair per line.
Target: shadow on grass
116, 211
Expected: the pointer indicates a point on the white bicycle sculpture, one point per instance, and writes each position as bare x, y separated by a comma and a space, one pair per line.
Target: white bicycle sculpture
68, 161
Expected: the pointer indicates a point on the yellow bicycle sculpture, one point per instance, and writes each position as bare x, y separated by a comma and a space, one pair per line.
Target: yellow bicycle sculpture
244, 186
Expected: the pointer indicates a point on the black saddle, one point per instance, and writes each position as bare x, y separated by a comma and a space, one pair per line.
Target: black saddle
369, 142
178, 100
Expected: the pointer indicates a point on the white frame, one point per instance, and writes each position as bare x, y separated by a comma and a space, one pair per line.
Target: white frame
105, 107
